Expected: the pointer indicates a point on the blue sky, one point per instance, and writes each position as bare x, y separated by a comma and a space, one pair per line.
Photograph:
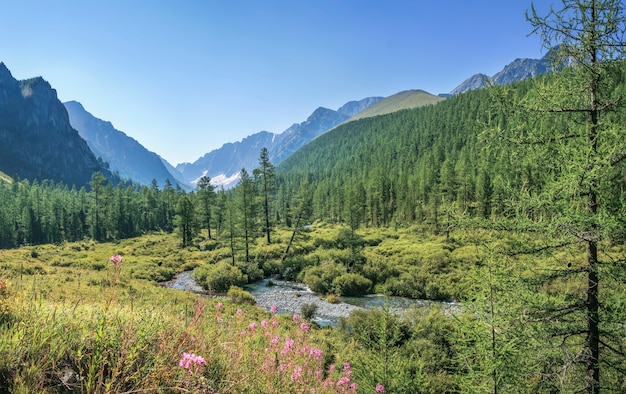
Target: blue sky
185, 77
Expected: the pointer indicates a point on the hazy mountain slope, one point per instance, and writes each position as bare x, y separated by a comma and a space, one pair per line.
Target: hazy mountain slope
36, 138
402, 100
224, 164
124, 154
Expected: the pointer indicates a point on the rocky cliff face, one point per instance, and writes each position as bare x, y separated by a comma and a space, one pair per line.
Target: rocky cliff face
517, 70
36, 138
223, 164
125, 155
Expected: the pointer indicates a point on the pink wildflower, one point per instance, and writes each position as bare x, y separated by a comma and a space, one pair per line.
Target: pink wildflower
252, 326
343, 380
296, 317
275, 340
380, 389
273, 309
189, 360
239, 312
317, 353
218, 305
274, 323
288, 345
264, 323
304, 326
297, 373
116, 260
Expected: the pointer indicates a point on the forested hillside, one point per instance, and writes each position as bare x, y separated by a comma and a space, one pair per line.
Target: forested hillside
408, 167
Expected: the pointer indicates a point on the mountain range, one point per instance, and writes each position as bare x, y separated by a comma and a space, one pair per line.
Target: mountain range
37, 140
224, 164
517, 70
124, 154
36, 129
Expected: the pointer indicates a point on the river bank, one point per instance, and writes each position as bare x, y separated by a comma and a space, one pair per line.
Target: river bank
290, 296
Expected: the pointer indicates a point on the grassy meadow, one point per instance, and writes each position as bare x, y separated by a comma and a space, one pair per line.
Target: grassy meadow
73, 321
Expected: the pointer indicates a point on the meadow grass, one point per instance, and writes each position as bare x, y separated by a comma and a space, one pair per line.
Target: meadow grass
71, 322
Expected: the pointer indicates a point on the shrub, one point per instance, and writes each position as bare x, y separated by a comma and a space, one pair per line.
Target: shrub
307, 311
240, 296
351, 284
320, 278
333, 299
219, 277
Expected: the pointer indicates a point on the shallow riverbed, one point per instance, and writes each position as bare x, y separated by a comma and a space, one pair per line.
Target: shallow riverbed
290, 296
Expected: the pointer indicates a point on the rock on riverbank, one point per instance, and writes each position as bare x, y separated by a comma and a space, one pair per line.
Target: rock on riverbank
289, 298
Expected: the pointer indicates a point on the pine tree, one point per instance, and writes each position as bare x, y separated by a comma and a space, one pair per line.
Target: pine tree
265, 175
565, 131
206, 193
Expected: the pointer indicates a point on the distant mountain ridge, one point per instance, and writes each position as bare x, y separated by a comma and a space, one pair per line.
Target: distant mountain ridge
517, 70
37, 140
125, 155
223, 164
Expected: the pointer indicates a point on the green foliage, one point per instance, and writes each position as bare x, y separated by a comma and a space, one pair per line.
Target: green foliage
320, 278
307, 310
219, 277
351, 285
240, 296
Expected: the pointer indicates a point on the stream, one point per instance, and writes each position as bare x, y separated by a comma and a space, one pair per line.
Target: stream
290, 296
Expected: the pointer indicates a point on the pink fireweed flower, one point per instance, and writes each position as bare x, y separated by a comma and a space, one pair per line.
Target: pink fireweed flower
317, 353
218, 305
190, 360
297, 373
264, 323
304, 326
275, 340
239, 312
343, 380
288, 345
380, 389
252, 326
296, 317
274, 323
273, 309
116, 260
346, 368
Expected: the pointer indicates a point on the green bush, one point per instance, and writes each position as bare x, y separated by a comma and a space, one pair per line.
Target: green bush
333, 299
240, 296
351, 285
320, 278
307, 311
219, 277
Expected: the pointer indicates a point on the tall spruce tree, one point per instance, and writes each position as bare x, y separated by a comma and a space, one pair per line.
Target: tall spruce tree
206, 193
566, 130
247, 209
186, 222
265, 175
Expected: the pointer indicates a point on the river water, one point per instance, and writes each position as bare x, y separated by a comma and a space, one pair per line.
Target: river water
290, 296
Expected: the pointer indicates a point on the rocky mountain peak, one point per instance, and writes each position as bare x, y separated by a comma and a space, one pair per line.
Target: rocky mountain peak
517, 70
36, 136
